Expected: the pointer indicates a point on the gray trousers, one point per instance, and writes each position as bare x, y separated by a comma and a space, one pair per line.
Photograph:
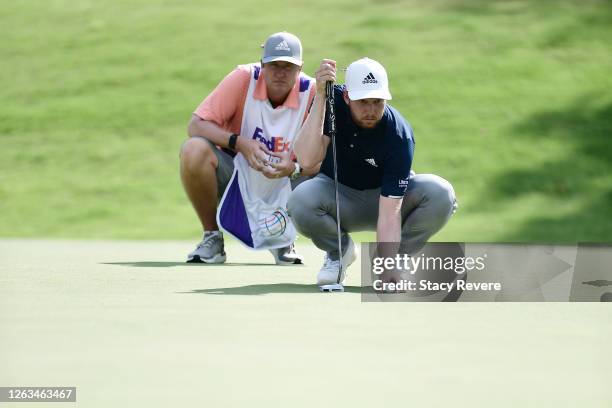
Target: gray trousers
428, 204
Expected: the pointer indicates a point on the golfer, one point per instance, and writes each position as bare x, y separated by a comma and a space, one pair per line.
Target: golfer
242, 134
377, 189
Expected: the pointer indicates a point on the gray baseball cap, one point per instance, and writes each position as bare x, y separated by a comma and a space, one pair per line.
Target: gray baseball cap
282, 46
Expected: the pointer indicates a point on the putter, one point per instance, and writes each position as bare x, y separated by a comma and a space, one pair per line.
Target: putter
334, 287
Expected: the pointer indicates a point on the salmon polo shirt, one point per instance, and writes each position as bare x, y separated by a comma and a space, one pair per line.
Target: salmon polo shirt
225, 104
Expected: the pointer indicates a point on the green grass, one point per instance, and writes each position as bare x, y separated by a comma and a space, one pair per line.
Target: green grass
131, 325
510, 100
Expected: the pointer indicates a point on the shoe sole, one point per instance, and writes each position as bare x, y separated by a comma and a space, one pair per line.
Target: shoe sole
217, 259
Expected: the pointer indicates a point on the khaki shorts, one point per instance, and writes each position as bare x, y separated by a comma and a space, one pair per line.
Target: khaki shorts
224, 169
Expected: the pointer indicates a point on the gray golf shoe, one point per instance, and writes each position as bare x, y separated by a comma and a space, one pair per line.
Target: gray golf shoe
287, 256
209, 250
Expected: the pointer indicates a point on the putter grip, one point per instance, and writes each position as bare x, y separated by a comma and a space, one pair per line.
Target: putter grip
331, 111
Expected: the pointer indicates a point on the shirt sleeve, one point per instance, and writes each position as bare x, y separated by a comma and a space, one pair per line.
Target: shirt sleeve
396, 171
226, 101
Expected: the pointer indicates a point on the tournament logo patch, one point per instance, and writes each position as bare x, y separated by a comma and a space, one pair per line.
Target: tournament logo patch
274, 224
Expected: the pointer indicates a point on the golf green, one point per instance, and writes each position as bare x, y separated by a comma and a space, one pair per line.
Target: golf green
129, 324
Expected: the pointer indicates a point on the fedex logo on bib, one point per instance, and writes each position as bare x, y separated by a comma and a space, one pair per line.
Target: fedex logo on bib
275, 144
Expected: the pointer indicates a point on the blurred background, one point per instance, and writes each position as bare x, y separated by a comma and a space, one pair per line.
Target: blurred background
511, 101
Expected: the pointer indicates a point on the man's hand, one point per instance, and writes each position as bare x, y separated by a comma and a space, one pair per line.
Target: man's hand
255, 153
394, 276
282, 166
326, 72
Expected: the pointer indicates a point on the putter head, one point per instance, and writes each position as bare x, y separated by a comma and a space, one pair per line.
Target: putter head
334, 287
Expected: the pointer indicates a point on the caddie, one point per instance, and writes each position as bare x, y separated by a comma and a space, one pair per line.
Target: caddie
237, 163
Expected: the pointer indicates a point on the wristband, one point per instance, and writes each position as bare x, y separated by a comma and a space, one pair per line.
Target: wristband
232, 141
296, 173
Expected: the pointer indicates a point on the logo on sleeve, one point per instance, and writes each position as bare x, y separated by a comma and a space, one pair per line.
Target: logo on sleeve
403, 183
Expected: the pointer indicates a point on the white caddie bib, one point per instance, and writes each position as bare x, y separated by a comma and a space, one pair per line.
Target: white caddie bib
253, 208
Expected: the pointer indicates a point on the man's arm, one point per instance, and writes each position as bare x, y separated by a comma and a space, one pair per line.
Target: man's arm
389, 225
208, 130
388, 233
255, 153
311, 171
396, 174
311, 145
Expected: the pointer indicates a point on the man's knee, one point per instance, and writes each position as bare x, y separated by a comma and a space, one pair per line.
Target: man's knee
303, 205
197, 154
439, 194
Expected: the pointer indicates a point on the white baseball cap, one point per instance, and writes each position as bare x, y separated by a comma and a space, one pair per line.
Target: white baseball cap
366, 78
282, 46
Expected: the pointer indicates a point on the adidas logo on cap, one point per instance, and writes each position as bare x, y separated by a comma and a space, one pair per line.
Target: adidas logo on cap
282, 46
369, 79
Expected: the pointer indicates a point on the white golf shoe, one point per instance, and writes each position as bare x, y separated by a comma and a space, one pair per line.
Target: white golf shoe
209, 250
328, 274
